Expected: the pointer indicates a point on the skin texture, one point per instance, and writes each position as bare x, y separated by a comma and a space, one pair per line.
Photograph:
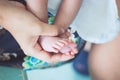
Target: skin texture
104, 59
56, 44
26, 30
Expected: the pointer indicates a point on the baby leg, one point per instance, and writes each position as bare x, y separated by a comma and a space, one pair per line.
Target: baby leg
104, 60
38, 8
118, 6
56, 44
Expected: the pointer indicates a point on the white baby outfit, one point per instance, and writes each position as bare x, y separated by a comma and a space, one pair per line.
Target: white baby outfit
97, 20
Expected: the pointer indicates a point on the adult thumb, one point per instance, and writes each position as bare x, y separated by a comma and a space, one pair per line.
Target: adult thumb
49, 30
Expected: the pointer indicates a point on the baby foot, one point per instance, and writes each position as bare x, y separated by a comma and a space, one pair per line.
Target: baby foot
56, 44
70, 48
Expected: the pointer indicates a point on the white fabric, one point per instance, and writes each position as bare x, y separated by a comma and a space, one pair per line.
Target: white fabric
97, 20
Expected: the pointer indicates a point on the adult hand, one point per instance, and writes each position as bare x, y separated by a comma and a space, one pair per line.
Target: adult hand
26, 29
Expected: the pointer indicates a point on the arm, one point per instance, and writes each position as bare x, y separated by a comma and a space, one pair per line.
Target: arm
67, 12
26, 29
38, 8
14, 18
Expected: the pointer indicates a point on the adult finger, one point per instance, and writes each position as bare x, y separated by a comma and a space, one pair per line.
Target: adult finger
46, 56
49, 30
60, 57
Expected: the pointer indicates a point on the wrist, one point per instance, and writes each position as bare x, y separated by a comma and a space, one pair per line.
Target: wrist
61, 28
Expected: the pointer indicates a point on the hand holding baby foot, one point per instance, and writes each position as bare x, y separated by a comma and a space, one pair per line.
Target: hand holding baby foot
56, 44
